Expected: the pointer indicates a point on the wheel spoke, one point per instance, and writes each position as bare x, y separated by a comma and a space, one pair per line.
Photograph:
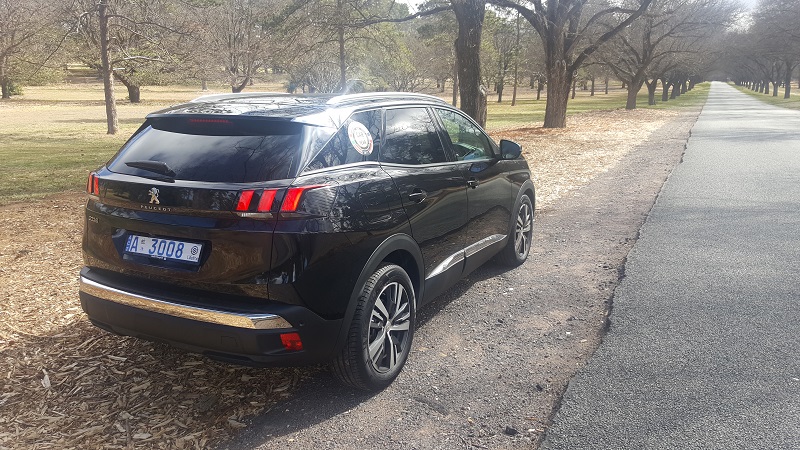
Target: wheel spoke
398, 296
380, 308
523, 244
392, 352
401, 312
376, 348
400, 326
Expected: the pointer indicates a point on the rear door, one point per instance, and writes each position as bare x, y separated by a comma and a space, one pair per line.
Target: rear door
432, 190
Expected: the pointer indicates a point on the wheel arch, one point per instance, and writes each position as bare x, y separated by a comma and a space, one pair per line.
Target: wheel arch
526, 188
400, 249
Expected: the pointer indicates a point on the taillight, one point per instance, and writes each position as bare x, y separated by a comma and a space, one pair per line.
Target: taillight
93, 184
263, 204
267, 198
245, 197
293, 197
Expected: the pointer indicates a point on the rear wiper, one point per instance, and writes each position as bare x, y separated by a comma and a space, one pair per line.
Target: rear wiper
159, 167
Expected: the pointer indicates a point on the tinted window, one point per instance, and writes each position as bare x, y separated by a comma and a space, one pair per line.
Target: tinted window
357, 140
411, 138
469, 142
214, 150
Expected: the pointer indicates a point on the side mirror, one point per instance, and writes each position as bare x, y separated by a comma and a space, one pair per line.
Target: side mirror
510, 149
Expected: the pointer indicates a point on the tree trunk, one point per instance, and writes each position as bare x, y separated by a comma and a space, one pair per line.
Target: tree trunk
574, 82
236, 88
787, 80
606, 83
774, 88
651, 91
470, 14
455, 85
766, 88
500, 86
539, 88
559, 82
108, 80
342, 54
633, 90
683, 87
664, 90
5, 89
516, 66
675, 91
204, 85
134, 94
591, 94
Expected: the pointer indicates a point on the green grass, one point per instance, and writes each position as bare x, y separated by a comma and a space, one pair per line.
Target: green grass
792, 102
53, 136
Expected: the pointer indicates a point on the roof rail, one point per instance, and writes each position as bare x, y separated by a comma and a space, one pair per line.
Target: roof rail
367, 96
238, 95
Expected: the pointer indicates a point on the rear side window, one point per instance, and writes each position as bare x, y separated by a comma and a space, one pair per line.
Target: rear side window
411, 138
213, 149
359, 139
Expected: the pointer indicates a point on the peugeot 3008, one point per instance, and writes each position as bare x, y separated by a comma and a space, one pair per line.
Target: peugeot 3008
269, 229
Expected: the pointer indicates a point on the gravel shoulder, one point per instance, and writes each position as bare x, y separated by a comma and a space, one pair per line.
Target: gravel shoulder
490, 361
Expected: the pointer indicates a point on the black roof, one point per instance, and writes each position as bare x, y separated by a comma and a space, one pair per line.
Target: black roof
287, 106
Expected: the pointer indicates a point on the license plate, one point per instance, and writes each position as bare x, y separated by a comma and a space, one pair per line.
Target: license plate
165, 249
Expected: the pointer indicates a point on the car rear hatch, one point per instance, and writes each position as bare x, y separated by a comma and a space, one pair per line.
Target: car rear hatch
194, 201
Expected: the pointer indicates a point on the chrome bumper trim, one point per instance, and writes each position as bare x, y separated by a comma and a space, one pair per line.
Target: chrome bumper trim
249, 321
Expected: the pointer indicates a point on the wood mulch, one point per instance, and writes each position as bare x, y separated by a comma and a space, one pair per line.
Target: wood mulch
67, 384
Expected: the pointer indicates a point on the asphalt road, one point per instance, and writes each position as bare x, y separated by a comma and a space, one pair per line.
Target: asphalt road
704, 346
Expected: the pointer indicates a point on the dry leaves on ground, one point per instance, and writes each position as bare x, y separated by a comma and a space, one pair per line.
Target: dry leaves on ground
66, 384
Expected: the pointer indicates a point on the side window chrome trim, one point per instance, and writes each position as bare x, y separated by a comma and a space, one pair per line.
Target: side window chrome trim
348, 165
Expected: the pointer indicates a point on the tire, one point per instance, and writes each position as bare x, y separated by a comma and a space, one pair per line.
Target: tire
519, 243
380, 335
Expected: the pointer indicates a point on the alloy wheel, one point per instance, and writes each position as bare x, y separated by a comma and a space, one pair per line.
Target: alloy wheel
389, 327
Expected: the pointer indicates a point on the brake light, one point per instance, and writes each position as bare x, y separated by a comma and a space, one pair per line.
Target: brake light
245, 197
293, 197
210, 121
267, 197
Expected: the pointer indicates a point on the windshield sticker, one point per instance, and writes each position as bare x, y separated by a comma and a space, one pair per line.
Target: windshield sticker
360, 138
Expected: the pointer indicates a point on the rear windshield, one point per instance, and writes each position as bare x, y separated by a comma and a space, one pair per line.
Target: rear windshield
212, 150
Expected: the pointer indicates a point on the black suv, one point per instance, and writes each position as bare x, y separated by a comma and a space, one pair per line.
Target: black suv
268, 229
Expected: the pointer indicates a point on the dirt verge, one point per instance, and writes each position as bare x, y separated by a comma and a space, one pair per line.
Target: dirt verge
490, 360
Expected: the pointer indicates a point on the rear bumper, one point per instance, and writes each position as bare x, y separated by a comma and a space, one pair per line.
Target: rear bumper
237, 336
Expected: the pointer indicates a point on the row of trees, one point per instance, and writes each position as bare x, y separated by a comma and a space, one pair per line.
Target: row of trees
767, 52
324, 45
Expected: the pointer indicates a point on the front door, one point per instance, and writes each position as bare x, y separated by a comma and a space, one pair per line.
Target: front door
489, 192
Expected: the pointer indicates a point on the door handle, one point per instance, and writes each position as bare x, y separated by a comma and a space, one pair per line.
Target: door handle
417, 195
473, 183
